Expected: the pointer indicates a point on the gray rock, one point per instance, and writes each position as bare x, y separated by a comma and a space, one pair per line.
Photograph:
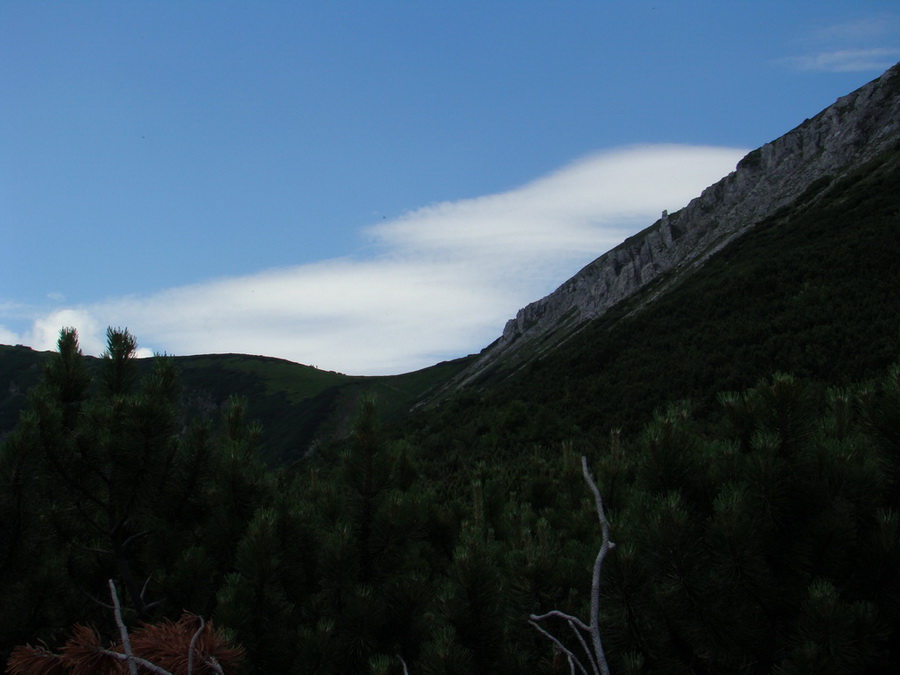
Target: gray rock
855, 129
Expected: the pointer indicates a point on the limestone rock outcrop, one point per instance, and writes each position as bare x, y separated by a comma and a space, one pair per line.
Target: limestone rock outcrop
853, 130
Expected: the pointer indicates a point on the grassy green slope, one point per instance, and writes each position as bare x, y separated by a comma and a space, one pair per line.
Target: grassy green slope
297, 405
813, 290
292, 401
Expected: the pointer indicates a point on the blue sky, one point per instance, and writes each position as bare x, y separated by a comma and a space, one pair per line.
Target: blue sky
372, 187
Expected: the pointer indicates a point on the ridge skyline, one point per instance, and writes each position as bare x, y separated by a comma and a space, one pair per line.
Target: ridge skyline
424, 283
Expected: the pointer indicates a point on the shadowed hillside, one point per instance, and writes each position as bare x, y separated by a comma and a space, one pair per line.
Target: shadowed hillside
812, 291
298, 406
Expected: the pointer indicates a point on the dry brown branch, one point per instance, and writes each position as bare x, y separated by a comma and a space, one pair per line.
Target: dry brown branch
170, 645
189, 646
84, 654
28, 660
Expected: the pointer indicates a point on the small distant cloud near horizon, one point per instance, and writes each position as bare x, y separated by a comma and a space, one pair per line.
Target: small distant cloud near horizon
439, 282
7, 337
847, 61
861, 45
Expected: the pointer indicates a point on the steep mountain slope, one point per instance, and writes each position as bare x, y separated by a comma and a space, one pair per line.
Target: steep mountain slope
854, 130
812, 291
803, 232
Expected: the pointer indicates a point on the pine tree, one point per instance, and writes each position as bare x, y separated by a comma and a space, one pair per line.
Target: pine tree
104, 479
373, 558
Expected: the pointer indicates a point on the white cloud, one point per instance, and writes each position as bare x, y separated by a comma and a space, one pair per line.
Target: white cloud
870, 43
606, 192
45, 330
847, 60
441, 282
7, 337
858, 31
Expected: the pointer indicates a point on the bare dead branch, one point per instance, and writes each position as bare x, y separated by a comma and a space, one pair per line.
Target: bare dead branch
594, 652
123, 632
144, 587
562, 615
214, 664
573, 660
193, 646
590, 657
134, 537
135, 661
605, 547
96, 600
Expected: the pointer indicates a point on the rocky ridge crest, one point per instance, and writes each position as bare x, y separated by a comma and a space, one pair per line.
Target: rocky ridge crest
850, 132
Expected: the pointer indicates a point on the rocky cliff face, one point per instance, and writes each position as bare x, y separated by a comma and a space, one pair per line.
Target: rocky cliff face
853, 130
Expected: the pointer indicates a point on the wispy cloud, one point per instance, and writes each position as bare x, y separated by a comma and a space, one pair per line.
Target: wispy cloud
847, 60
440, 281
7, 337
864, 44
857, 31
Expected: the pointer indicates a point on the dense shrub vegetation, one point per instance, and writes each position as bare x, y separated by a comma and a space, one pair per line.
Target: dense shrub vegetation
756, 514
762, 538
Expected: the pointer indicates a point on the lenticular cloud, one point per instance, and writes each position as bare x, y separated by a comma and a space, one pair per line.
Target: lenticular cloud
438, 283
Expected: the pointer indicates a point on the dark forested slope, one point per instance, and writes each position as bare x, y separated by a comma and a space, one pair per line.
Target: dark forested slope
813, 290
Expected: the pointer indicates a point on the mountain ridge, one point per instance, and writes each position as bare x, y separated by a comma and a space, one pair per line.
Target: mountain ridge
301, 407
843, 136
